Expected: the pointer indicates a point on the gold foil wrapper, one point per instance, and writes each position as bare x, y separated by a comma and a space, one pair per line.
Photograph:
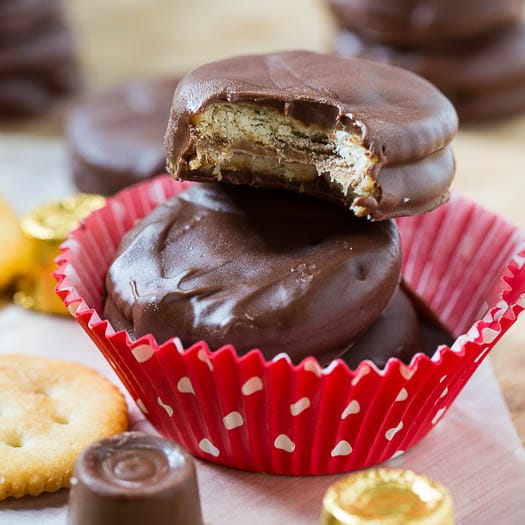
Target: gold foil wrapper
13, 255
45, 229
387, 497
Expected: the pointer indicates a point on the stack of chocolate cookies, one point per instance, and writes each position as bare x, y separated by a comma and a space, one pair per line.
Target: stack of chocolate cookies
289, 245
37, 62
472, 50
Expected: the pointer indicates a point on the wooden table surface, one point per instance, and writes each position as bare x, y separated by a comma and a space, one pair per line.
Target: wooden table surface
123, 39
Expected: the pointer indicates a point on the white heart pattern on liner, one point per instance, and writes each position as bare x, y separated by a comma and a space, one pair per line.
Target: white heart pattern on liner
184, 386
438, 415
205, 358
353, 408
397, 454
406, 372
299, 406
233, 420
207, 446
403, 395
481, 355
389, 434
167, 408
254, 384
283, 442
343, 448
363, 371
141, 406
142, 353
312, 366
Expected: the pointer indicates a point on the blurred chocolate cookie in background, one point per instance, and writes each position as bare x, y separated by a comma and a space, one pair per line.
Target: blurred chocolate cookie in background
476, 60
115, 137
37, 57
423, 24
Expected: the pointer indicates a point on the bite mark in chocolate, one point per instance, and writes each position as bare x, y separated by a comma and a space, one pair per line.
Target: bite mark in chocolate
316, 124
248, 137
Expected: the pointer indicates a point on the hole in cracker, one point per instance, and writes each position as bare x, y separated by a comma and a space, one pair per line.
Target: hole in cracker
60, 420
15, 441
41, 391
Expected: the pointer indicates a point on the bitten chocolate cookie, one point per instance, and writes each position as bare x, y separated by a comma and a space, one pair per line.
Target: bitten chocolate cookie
255, 268
367, 136
115, 137
425, 23
484, 80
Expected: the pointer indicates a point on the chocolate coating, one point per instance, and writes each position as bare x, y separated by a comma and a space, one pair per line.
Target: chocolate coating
401, 117
115, 137
21, 97
37, 56
405, 327
482, 81
36, 72
23, 20
407, 189
255, 268
134, 478
421, 24
395, 333
432, 334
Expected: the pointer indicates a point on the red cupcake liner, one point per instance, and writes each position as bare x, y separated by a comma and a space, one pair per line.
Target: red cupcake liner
273, 416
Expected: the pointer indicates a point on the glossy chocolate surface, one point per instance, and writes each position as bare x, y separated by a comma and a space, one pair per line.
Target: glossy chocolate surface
395, 333
115, 137
404, 328
255, 268
400, 117
421, 24
482, 81
134, 478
